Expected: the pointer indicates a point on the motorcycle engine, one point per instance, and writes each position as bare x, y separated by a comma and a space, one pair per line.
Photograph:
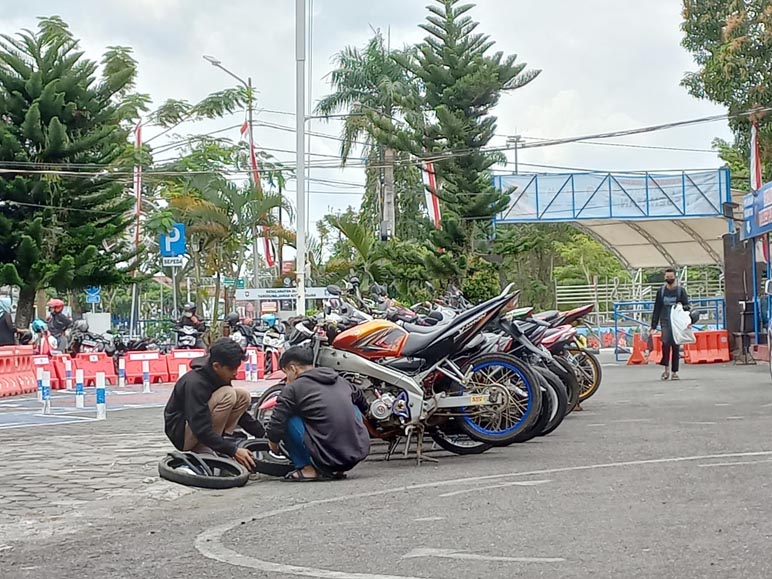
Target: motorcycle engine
387, 405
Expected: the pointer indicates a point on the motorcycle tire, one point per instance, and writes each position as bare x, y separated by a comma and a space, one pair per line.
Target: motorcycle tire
527, 384
471, 446
267, 462
560, 398
202, 470
545, 414
264, 418
591, 386
565, 372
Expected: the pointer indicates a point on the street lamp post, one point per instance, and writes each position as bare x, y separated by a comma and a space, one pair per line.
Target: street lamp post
300, 152
250, 112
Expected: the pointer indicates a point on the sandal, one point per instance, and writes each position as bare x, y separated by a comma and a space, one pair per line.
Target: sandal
675, 376
298, 476
665, 375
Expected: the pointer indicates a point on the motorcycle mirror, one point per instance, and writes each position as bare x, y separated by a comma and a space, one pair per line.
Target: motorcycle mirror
334, 290
429, 286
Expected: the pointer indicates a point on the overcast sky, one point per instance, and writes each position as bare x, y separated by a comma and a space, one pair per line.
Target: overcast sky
606, 65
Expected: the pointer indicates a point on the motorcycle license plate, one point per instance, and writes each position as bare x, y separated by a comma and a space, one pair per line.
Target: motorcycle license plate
478, 399
89, 344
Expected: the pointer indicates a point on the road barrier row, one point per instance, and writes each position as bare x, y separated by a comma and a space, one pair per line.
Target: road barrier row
21, 371
711, 347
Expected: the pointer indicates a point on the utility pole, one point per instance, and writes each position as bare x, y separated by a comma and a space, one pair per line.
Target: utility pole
388, 226
515, 140
300, 152
252, 177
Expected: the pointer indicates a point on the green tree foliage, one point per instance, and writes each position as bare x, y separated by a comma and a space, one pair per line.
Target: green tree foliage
60, 118
731, 42
367, 83
481, 282
461, 79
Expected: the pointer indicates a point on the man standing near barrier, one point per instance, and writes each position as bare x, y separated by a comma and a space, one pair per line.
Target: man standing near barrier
670, 294
204, 409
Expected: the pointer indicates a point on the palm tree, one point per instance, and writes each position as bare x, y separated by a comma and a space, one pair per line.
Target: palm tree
220, 217
367, 86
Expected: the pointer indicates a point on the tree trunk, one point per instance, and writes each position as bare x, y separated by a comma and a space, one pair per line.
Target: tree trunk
25, 309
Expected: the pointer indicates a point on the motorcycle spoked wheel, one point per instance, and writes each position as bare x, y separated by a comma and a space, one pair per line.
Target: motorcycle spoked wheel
560, 399
511, 379
588, 371
545, 413
565, 371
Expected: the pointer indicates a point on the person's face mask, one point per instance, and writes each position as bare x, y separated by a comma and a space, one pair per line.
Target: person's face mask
670, 280
188, 314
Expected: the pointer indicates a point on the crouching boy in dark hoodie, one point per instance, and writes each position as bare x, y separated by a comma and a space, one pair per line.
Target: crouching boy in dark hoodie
204, 409
318, 417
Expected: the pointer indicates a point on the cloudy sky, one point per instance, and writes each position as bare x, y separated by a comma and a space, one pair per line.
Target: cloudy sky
606, 65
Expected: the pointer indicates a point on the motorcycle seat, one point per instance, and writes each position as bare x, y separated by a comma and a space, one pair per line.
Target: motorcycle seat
416, 329
548, 316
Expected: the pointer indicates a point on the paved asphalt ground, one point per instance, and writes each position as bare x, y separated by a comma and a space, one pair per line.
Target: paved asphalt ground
652, 480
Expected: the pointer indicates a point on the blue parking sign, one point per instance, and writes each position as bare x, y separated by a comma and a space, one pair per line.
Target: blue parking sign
173, 244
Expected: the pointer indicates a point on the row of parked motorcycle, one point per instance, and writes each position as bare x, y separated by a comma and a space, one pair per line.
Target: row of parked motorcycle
266, 333
469, 377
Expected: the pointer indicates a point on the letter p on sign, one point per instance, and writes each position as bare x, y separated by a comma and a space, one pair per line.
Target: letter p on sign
173, 244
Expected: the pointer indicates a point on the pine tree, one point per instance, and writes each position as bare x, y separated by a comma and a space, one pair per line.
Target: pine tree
461, 81
63, 129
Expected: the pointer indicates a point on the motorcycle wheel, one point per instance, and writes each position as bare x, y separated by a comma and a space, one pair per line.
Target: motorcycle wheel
588, 371
545, 414
264, 416
458, 443
565, 372
202, 470
523, 404
558, 390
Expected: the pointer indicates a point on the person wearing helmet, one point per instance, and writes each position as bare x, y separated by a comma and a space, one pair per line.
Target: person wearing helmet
189, 318
58, 323
233, 319
7, 329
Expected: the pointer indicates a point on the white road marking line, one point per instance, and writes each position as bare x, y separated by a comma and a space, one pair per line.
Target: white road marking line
453, 554
624, 420
739, 463
735, 417
701, 423
722, 404
429, 519
210, 545
525, 483
597, 424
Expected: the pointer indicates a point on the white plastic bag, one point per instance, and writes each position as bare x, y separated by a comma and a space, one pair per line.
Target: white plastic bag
681, 323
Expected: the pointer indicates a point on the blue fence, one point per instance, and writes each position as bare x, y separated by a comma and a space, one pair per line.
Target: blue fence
632, 316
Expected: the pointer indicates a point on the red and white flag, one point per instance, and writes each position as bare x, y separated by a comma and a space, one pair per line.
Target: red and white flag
432, 201
755, 158
270, 255
762, 242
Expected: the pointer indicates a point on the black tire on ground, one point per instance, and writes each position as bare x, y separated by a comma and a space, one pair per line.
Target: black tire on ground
447, 441
528, 383
565, 372
226, 473
561, 393
265, 461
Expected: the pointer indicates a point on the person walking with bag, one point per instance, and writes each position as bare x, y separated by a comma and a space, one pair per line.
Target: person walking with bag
669, 295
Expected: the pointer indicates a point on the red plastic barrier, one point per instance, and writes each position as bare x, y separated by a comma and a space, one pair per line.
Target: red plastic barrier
25, 370
9, 385
655, 356
93, 363
260, 355
159, 370
175, 358
47, 365
712, 346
